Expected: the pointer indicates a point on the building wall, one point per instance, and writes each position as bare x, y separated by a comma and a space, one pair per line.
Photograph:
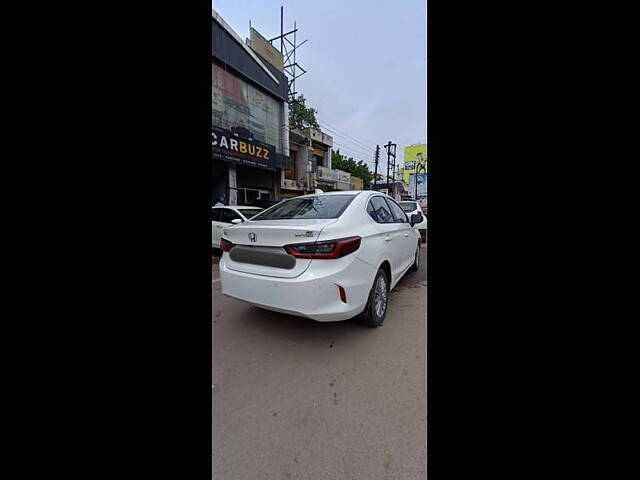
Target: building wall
232, 51
236, 103
220, 181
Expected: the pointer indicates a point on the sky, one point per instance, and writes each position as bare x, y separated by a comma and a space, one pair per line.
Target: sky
365, 62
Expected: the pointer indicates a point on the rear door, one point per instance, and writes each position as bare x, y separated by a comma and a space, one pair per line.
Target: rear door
406, 236
391, 230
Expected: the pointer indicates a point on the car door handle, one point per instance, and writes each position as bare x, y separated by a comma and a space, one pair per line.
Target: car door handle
406, 234
388, 239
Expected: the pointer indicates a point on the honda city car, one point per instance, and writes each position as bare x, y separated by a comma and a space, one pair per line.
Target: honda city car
329, 257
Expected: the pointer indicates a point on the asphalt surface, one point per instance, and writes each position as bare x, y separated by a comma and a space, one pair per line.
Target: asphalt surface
297, 399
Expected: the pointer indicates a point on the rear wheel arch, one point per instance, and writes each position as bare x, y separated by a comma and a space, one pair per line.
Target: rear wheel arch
386, 266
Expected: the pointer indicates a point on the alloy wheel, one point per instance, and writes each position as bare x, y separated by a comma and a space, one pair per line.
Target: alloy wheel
380, 298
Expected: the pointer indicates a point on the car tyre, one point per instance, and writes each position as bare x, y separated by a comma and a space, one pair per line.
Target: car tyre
377, 303
416, 259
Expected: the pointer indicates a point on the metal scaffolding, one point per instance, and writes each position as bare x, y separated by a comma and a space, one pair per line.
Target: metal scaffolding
291, 67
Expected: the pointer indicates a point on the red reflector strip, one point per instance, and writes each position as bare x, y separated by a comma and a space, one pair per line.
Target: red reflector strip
343, 294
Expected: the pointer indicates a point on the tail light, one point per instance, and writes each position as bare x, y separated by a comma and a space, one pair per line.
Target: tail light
226, 245
329, 249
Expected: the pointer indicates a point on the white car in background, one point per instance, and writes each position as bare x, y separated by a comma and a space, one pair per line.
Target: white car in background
412, 207
329, 257
226, 216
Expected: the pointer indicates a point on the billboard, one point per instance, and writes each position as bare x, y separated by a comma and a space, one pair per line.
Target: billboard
267, 51
422, 185
411, 159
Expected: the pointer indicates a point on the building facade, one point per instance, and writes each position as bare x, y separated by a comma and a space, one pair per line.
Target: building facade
250, 131
309, 163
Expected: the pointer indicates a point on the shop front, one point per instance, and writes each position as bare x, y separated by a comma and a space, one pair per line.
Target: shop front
253, 169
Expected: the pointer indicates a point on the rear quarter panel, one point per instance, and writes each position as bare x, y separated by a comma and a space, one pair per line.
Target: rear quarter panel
373, 249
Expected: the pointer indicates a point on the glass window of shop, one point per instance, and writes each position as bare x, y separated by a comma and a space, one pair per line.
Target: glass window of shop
235, 103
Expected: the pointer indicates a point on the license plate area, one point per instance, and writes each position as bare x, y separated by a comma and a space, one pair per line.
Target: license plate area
263, 256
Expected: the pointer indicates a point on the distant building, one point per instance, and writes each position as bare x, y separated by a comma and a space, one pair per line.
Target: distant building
308, 163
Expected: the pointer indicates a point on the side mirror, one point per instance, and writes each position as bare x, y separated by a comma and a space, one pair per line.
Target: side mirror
236, 221
415, 218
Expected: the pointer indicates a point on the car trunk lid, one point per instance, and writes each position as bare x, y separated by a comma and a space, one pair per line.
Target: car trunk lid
259, 245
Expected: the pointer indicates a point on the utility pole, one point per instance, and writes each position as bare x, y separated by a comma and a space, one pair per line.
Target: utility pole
375, 175
390, 155
393, 177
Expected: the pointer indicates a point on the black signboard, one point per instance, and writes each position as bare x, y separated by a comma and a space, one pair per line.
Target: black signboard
239, 148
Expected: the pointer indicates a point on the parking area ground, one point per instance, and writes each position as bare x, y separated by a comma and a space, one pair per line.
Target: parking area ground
297, 399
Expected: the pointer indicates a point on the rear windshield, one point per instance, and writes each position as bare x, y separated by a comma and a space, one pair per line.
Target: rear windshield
408, 206
250, 212
327, 206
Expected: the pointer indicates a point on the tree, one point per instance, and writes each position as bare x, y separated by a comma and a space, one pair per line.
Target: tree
301, 116
357, 169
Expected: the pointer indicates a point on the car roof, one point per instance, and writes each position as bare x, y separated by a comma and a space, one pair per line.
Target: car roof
238, 207
342, 192
326, 194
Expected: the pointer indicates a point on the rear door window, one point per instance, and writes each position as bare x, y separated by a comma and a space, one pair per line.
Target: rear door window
398, 214
215, 214
381, 210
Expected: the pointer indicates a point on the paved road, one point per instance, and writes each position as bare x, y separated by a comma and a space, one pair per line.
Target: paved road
295, 399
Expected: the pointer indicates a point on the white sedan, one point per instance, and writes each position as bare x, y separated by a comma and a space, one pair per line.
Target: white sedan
226, 216
328, 257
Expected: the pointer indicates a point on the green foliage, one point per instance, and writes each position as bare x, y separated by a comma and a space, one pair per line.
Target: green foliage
357, 169
301, 116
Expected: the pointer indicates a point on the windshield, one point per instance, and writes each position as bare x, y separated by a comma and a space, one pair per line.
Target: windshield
326, 206
408, 206
250, 212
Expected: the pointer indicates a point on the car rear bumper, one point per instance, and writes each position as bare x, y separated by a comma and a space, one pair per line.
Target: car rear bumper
314, 294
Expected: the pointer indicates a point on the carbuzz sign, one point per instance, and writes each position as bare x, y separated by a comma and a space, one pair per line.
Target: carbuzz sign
230, 147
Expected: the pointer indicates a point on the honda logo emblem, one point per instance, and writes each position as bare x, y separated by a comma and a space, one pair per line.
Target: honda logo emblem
253, 237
